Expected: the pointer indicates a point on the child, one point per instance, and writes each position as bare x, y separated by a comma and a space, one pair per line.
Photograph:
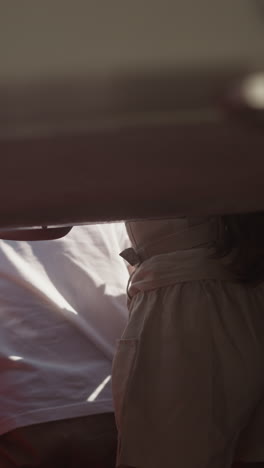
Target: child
188, 376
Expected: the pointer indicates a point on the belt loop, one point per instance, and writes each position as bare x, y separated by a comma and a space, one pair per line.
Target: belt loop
131, 256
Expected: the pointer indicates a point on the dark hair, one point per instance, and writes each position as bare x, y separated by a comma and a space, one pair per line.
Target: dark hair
242, 235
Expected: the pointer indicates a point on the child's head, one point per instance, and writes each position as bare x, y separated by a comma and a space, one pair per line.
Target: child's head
243, 234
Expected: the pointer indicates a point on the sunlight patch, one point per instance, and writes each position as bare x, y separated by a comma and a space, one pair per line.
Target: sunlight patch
99, 389
15, 358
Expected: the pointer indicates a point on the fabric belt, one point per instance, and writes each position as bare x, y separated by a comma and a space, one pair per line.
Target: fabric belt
191, 237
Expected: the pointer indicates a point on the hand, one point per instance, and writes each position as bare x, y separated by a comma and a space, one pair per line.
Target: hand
44, 233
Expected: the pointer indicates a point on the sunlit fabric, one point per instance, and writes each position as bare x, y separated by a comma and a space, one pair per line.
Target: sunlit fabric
62, 307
